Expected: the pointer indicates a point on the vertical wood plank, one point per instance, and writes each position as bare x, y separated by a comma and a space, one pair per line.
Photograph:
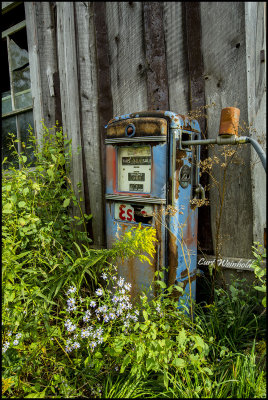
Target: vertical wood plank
255, 24
156, 64
176, 54
89, 117
127, 57
41, 33
68, 75
224, 57
105, 101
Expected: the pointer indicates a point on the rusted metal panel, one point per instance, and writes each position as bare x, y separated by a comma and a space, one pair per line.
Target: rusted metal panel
145, 126
156, 66
183, 220
139, 274
175, 120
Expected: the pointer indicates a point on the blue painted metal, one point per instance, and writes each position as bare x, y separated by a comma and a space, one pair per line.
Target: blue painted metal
177, 232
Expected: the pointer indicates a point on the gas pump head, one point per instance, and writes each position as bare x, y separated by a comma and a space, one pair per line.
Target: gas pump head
228, 134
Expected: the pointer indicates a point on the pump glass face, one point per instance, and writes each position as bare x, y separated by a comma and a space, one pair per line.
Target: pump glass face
134, 169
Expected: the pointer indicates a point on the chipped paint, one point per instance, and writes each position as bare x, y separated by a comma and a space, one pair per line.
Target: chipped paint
143, 127
177, 232
175, 120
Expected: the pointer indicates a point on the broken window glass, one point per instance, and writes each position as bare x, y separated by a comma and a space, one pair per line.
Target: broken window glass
16, 95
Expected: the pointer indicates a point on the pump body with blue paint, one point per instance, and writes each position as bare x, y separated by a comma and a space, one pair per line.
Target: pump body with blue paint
152, 179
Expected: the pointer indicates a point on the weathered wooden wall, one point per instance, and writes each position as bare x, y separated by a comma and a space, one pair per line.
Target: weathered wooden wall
126, 53
42, 45
225, 70
255, 24
93, 61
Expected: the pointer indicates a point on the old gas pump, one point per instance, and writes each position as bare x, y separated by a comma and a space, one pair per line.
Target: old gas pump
151, 179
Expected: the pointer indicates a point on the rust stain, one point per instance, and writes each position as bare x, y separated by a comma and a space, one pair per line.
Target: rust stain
111, 166
172, 258
189, 236
229, 121
184, 273
179, 163
143, 127
176, 294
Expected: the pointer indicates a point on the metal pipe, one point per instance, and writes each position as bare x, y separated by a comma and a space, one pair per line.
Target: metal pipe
259, 151
231, 140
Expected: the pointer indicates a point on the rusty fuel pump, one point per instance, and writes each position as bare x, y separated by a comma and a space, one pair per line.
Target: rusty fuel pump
152, 179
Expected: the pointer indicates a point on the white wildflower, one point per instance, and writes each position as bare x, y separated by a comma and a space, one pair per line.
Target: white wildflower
99, 292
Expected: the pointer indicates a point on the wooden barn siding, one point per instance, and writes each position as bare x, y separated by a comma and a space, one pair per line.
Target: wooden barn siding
225, 82
105, 102
224, 55
127, 56
41, 38
186, 81
176, 53
155, 56
89, 115
70, 96
256, 86
197, 100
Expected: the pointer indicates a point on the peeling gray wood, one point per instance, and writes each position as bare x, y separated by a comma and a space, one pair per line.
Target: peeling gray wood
256, 88
155, 53
178, 84
127, 58
87, 71
43, 63
105, 101
224, 56
68, 75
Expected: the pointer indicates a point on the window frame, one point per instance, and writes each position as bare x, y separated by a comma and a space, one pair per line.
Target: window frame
15, 111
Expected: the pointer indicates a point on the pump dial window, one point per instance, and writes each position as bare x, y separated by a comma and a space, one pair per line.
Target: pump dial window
134, 169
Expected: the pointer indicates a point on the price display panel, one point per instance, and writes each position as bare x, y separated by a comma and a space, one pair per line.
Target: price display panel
134, 169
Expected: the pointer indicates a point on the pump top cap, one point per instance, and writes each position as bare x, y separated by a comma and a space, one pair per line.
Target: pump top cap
229, 121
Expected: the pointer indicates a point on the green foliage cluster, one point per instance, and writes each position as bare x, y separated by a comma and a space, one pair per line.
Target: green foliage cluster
69, 326
260, 270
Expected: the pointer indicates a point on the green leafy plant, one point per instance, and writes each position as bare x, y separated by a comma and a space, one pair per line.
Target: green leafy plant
259, 269
70, 327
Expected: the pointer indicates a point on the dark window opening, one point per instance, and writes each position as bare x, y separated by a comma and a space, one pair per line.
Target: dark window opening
17, 103
12, 17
